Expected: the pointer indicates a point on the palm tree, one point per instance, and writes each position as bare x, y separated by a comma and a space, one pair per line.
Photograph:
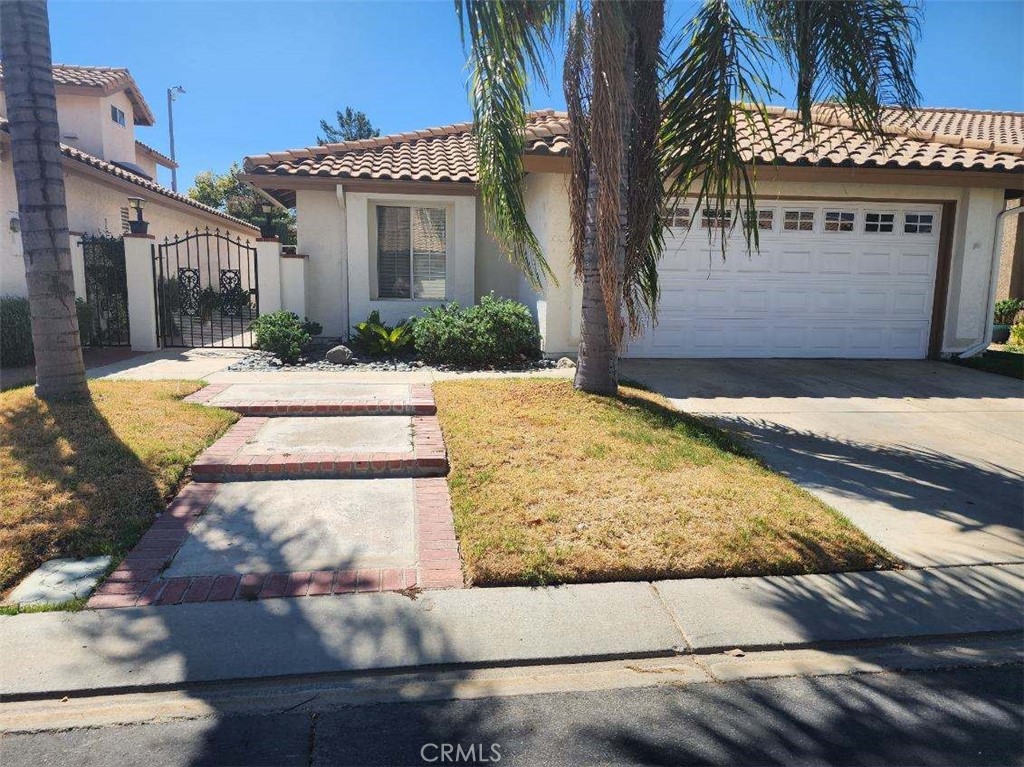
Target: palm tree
650, 121
35, 149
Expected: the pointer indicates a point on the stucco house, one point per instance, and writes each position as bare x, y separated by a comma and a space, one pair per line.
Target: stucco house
98, 111
867, 250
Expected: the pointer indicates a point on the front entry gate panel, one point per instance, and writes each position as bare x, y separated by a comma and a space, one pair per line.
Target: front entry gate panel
106, 292
207, 290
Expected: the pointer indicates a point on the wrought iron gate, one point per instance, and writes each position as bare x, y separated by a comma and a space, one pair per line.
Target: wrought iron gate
106, 291
207, 290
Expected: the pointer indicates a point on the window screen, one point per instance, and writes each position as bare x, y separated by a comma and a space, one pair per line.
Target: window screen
428, 253
394, 253
411, 252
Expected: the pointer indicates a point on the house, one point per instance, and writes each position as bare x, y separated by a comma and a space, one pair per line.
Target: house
98, 110
867, 250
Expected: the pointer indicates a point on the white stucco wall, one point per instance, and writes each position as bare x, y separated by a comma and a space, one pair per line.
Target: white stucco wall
95, 208
79, 118
118, 141
494, 272
557, 307
320, 217
360, 210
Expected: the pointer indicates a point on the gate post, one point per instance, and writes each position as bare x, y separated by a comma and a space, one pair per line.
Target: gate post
268, 270
138, 264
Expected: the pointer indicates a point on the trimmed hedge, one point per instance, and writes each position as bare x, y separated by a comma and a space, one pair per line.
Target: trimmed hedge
15, 332
497, 332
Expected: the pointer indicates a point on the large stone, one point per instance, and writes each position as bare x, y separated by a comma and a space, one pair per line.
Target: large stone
565, 362
59, 581
339, 355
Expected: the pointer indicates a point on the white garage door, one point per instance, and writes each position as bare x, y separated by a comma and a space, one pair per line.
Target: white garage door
831, 280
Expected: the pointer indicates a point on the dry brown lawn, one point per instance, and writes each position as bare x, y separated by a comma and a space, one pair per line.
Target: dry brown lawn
86, 478
553, 486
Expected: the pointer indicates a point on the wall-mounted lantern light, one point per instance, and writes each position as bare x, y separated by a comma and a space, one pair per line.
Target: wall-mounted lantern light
15, 222
267, 230
138, 226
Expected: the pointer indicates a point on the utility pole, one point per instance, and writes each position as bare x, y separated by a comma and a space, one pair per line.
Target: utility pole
172, 93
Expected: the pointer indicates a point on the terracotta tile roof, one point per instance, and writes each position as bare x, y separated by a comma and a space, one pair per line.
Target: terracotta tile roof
447, 153
159, 156
102, 165
435, 154
108, 79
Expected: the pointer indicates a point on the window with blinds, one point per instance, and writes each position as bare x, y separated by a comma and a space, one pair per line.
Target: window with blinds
411, 252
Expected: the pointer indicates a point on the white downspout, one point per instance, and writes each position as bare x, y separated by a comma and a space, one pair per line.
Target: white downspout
343, 204
993, 274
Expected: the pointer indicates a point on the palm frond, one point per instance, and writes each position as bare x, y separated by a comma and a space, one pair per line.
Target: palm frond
577, 79
859, 53
715, 81
508, 41
644, 237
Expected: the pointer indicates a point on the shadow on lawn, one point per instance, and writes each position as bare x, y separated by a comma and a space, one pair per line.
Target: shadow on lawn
104, 497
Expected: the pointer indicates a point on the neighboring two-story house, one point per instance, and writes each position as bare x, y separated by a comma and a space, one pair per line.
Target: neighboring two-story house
99, 109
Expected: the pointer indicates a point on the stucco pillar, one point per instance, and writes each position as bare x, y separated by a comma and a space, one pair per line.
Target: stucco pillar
268, 271
138, 262
293, 283
78, 264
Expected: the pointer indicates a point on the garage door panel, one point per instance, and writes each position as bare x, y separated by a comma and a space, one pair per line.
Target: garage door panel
808, 293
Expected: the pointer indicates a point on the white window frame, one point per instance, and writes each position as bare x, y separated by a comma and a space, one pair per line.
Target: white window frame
412, 297
117, 116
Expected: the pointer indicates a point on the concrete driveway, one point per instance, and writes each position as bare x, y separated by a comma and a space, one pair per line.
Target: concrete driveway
925, 457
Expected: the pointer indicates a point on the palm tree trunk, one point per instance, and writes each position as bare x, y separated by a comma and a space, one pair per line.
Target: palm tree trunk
597, 368
39, 179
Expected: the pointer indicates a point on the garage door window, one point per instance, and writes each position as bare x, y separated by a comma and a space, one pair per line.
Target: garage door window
798, 221
715, 218
917, 223
678, 217
879, 223
839, 220
765, 219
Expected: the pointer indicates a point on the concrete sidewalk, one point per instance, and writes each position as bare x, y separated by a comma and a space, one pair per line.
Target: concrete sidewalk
52, 654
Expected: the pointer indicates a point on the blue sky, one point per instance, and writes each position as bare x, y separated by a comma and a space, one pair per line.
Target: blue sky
260, 75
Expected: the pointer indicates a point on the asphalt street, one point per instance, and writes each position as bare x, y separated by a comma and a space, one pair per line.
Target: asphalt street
948, 717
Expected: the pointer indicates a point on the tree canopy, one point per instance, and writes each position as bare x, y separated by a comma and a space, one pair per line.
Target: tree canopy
349, 125
228, 193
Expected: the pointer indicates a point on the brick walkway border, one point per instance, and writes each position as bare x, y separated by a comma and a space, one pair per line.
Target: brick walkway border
223, 461
420, 402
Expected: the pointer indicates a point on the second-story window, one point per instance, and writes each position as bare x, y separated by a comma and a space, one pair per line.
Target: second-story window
117, 115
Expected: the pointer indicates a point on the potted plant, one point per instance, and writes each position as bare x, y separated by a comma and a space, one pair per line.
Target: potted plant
1006, 312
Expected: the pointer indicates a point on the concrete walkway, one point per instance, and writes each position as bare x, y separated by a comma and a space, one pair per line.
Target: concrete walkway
927, 458
52, 654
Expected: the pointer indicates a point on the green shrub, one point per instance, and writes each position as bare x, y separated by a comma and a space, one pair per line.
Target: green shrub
86, 322
1006, 311
283, 335
1017, 334
15, 332
377, 339
497, 332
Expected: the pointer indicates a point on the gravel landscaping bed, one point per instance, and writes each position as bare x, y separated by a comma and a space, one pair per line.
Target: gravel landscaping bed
263, 362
